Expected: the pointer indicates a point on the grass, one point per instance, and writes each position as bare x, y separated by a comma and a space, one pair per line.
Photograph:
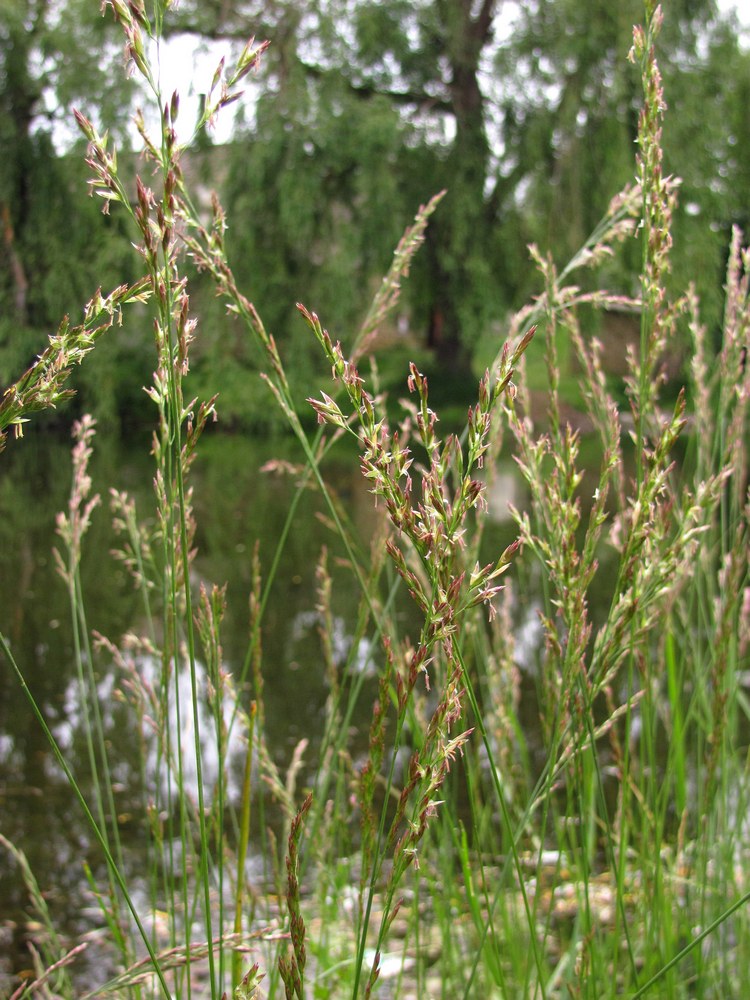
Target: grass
600, 850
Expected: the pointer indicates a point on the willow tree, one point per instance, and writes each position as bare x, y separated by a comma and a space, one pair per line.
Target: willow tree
366, 110
55, 246
363, 110
569, 121
368, 107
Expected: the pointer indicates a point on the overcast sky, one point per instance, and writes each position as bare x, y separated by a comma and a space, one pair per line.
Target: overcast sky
189, 67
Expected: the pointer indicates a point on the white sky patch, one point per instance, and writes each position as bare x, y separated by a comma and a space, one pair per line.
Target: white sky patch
741, 10
505, 22
186, 64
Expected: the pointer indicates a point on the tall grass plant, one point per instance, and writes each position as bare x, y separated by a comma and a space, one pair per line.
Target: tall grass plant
600, 852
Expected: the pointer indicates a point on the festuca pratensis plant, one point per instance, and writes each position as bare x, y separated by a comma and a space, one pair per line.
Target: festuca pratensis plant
602, 855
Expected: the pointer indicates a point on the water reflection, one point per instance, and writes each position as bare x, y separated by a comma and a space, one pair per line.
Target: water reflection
237, 506
504, 488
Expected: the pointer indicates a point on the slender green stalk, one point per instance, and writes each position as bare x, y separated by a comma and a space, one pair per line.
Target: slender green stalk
596, 818
692, 945
244, 838
93, 825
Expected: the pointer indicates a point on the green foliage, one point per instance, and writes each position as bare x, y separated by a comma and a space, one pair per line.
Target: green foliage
571, 121
388, 104
570, 815
366, 110
56, 246
302, 190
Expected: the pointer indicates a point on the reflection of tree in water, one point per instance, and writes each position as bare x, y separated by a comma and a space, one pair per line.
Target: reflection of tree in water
236, 506
32, 605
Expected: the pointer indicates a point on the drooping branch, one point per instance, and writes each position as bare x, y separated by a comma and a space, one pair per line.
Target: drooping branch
216, 30
370, 89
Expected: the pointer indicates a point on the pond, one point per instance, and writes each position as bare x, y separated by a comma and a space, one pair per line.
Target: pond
238, 502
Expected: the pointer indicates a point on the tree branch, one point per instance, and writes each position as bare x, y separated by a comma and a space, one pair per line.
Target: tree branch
364, 90
484, 20
370, 89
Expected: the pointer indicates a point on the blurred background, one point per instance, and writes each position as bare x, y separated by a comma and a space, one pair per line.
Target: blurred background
525, 112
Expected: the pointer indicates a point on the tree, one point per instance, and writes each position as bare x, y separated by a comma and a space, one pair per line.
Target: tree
369, 107
570, 123
56, 248
364, 109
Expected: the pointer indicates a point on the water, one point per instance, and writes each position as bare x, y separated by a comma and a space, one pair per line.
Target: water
236, 505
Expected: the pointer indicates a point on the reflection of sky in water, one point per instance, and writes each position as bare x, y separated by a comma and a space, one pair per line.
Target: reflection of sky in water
73, 907
363, 660
528, 637
118, 720
235, 507
9, 753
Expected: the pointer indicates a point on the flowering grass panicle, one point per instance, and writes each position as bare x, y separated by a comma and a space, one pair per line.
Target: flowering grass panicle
550, 799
